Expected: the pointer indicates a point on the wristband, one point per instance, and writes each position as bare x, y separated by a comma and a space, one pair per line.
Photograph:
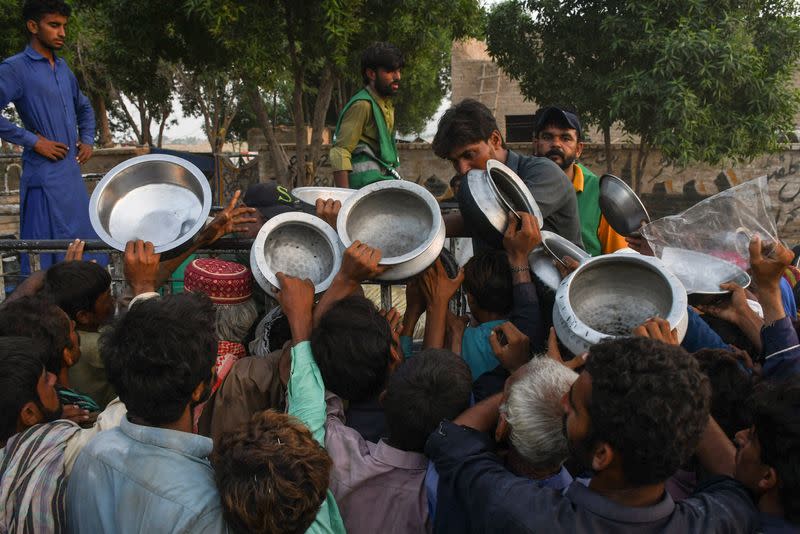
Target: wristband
519, 269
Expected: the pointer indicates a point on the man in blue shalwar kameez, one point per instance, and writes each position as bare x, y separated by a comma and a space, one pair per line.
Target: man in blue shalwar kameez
58, 132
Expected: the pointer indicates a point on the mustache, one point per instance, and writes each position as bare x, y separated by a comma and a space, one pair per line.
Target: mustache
554, 152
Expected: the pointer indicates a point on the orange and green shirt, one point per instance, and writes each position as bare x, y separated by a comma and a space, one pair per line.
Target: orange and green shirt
598, 236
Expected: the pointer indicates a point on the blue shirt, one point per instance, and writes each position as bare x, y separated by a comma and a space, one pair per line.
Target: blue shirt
138, 478
50, 103
495, 500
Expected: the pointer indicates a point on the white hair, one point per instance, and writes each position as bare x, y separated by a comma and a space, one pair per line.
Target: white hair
534, 413
234, 320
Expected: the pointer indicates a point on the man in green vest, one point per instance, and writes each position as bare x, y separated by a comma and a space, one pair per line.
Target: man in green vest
557, 136
364, 149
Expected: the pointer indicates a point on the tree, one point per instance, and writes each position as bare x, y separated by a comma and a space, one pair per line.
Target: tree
214, 96
702, 81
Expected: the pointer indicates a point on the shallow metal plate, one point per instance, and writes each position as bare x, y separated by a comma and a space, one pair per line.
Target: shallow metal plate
621, 207
159, 198
702, 273
310, 195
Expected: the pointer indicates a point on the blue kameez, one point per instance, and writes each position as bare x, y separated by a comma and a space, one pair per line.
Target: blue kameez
54, 203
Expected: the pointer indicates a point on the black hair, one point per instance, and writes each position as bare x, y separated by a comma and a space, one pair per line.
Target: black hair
21, 366
433, 385
381, 55
352, 348
35, 10
76, 285
467, 122
649, 402
159, 352
487, 277
731, 386
775, 408
39, 319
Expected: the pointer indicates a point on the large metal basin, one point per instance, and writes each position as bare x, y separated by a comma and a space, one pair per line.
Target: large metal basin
158, 198
400, 218
297, 244
558, 247
608, 296
621, 207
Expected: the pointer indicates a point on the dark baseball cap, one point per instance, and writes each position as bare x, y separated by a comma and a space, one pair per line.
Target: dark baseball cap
562, 117
271, 199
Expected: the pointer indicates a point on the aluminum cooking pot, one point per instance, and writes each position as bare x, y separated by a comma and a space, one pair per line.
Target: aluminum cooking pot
297, 244
486, 197
158, 198
400, 218
608, 296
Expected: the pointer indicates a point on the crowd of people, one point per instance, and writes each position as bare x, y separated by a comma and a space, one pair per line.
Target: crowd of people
217, 409
171, 417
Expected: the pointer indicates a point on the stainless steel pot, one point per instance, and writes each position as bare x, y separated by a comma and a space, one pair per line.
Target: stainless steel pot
486, 197
159, 198
608, 296
541, 263
400, 218
297, 244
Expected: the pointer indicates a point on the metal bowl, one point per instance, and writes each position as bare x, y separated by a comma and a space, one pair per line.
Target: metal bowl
310, 195
701, 274
486, 197
608, 296
158, 198
297, 244
401, 219
621, 207
558, 247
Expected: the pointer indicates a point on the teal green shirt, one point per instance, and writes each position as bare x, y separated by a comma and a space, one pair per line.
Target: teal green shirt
306, 392
475, 348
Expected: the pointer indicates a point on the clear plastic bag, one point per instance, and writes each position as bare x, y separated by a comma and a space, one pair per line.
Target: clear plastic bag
720, 226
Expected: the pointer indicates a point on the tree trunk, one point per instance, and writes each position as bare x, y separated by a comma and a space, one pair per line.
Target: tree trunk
102, 121
280, 162
607, 146
318, 121
161, 129
128, 117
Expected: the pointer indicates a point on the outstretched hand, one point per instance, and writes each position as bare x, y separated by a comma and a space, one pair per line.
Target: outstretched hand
232, 219
296, 298
437, 286
519, 242
328, 210
514, 350
361, 262
140, 263
554, 353
768, 261
659, 329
